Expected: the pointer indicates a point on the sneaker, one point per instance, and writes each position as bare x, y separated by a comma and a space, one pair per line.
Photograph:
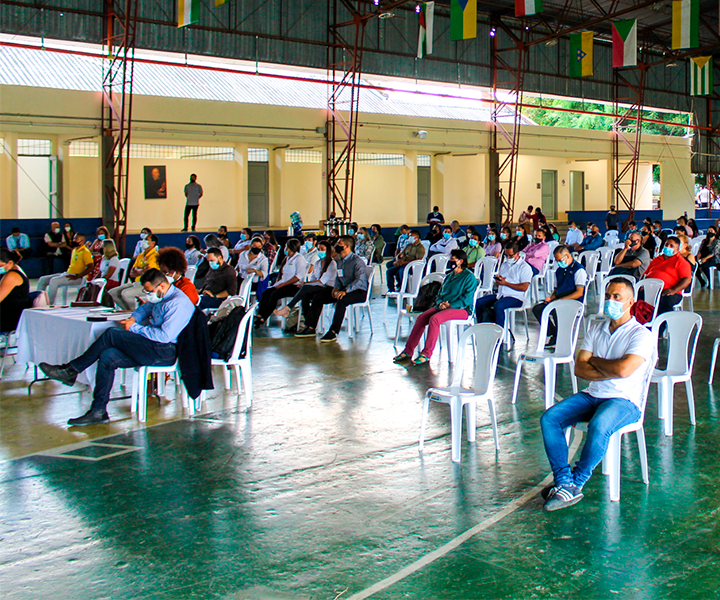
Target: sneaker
91, 417
183, 230
563, 497
306, 333
548, 491
330, 336
65, 374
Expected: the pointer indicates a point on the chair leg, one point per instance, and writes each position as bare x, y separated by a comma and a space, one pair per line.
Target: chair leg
518, 371
716, 343
614, 466
573, 379
397, 328
142, 395
236, 371
246, 372
668, 403
423, 423
549, 383
493, 420
456, 427
642, 449
135, 391
527, 329
471, 415
690, 399
226, 377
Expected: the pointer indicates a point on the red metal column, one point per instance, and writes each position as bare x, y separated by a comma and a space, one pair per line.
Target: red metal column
119, 52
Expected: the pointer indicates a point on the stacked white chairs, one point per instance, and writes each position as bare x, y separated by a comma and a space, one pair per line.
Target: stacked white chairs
409, 315
411, 277
652, 289
683, 331
509, 329
191, 272
485, 270
611, 460
489, 336
124, 270
238, 364
568, 315
437, 264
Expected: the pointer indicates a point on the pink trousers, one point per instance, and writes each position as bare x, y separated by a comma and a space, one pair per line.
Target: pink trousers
432, 319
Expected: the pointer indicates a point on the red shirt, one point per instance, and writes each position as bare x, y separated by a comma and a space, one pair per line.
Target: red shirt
670, 270
188, 288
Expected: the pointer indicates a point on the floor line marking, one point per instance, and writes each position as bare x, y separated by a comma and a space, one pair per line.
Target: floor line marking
462, 538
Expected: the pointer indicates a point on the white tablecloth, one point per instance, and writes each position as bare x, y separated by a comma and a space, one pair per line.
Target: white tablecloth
57, 336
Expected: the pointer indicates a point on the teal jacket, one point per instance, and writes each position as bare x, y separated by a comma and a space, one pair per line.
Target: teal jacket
458, 289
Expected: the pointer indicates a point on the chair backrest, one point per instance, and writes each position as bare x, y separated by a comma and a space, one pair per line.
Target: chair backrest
426, 243
568, 315
683, 329
695, 244
370, 270
412, 275
490, 336
589, 259
652, 288
606, 256
439, 261
610, 233
485, 270
648, 379
274, 262
123, 270
244, 329
245, 290
190, 273
99, 287
605, 282
553, 244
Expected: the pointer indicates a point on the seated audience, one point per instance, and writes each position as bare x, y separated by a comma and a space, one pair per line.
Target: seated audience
212, 241
454, 302
219, 283
659, 233
458, 233
173, 265
144, 233
271, 246
14, 291
707, 256
68, 237
552, 233
435, 217
632, 228
54, 246
243, 243
615, 357
675, 272
633, 259
536, 253
18, 244
648, 239
492, 246
683, 222
475, 251
81, 265
693, 225
364, 247
350, 287
193, 255
434, 234
293, 270
520, 239
309, 250
570, 282
110, 265
513, 280
148, 337
505, 236
413, 251
222, 234
253, 263
574, 236
96, 249
125, 295
379, 241
686, 252
445, 245
593, 240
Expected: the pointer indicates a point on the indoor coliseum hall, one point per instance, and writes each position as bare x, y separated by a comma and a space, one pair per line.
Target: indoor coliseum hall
348, 299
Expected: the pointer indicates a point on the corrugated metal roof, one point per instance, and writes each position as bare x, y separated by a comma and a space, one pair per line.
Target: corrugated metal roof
48, 69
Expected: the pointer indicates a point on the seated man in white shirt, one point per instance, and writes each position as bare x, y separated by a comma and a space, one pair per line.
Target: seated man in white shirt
513, 280
446, 244
309, 250
614, 358
574, 235
253, 263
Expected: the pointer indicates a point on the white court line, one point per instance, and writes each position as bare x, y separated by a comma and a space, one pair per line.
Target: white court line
462, 538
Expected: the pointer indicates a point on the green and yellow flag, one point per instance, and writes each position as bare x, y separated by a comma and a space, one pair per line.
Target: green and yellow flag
701, 75
188, 12
581, 54
463, 19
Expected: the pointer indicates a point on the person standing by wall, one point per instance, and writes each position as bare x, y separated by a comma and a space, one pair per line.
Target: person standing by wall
193, 193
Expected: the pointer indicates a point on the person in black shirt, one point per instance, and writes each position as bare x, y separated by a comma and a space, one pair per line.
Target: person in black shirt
14, 292
612, 218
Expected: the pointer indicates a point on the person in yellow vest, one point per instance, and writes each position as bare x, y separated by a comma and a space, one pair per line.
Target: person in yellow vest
124, 295
81, 264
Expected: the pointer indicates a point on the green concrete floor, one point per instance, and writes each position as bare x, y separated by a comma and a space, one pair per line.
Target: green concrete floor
319, 491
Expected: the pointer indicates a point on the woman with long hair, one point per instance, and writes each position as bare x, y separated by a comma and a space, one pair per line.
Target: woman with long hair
192, 251
270, 245
96, 249
292, 273
364, 246
110, 265
708, 255
455, 301
14, 292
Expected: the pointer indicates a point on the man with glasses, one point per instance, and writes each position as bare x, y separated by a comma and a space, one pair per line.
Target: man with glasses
633, 259
147, 338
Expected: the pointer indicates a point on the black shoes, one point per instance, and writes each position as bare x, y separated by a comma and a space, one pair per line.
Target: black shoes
305, 333
65, 374
330, 336
91, 417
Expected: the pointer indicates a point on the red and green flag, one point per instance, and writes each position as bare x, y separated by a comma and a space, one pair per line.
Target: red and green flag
523, 8
581, 54
463, 19
624, 43
427, 23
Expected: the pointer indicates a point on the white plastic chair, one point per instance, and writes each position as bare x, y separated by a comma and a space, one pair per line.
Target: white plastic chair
489, 336
611, 236
568, 315
412, 275
688, 293
245, 290
606, 264
510, 318
191, 272
100, 284
458, 325
427, 245
124, 270
411, 316
485, 270
589, 259
683, 332
652, 289
438, 263
139, 394
8, 347
354, 312
611, 460
242, 367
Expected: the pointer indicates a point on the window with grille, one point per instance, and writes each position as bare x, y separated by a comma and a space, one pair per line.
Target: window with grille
390, 160
303, 156
34, 148
258, 155
179, 152
84, 148
423, 160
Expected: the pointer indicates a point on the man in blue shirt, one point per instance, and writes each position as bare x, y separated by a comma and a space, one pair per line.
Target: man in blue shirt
593, 240
147, 338
18, 244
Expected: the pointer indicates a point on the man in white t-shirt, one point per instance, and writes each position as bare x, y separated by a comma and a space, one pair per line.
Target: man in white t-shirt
615, 358
513, 280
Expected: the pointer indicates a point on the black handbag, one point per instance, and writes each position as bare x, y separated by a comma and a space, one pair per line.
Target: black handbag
427, 295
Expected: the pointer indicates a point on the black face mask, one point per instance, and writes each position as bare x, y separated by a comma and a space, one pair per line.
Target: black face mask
255, 251
538, 240
339, 248
452, 265
189, 246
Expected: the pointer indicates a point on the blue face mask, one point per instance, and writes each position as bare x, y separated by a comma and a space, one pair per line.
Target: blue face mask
563, 264
403, 236
101, 236
3, 270
351, 231
668, 251
447, 236
243, 237
308, 245
361, 236
503, 236
491, 238
322, 254
589, 231
214, 265
472, 242
613, 309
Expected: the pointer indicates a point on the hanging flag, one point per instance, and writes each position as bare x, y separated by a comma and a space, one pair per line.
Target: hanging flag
463, 19
188, 12
524, 8
624, 43
581, 54
685, 24
425, 35
220, 2
701, 75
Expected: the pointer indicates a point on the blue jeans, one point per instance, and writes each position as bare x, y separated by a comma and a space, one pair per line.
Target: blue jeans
489, 309
120, 349
604, 416
394, 274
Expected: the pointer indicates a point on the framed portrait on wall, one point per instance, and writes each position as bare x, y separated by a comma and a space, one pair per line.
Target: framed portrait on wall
155, 182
